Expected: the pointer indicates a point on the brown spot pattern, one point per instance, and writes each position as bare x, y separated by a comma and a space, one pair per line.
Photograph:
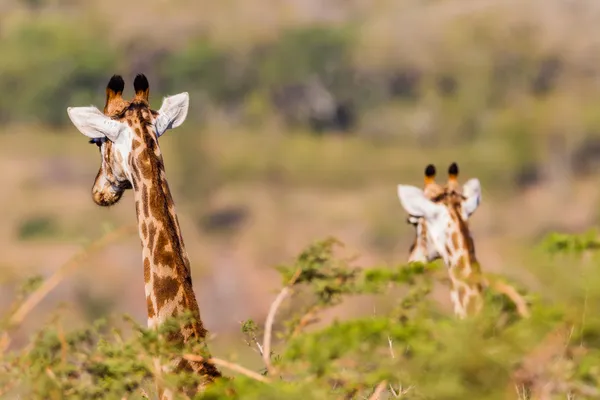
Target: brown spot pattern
146, 270
151, 236
145, 166
162, 256
145, 200
165, 289
150, 307
136, 172
455, 240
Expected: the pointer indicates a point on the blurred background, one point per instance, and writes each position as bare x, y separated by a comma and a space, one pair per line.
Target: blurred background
304, 117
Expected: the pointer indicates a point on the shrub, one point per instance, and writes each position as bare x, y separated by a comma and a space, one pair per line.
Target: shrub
413, 351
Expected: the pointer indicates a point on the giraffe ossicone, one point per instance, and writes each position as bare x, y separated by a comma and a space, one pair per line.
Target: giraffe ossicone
440, 215
127, 135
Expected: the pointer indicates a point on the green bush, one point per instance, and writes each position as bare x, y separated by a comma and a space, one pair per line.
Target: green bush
204, 68
412, 349
301, 53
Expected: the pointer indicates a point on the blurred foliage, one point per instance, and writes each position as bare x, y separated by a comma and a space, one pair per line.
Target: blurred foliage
38, 227
203, 67
298, 54
48, 65
491, 82
563, 243
413, 349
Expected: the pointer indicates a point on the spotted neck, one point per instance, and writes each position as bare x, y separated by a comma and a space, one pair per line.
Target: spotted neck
463, 268
168, 282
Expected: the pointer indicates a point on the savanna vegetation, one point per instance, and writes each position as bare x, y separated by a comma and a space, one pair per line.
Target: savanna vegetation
411, 350
304, 116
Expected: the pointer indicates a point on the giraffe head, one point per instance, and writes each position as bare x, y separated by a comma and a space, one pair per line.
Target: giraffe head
121, 128
419, 250
440, 214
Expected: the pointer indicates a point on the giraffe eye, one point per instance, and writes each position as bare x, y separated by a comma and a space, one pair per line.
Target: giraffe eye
97, 141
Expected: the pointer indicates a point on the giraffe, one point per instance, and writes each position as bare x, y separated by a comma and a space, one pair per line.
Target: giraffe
440, 215
126, 134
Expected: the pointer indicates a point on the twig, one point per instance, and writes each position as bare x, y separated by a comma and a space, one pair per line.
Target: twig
158, 375
269, 326
271, 318
63, 343
253, 341
378, 390
51, 374
229, 365
391, 347
401, 392
260, 348
306, 319
50, 283
585, 301
521, 392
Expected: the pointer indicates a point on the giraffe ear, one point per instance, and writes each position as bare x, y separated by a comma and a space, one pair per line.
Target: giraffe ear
472, 193
415, 202
172, 113
94, 124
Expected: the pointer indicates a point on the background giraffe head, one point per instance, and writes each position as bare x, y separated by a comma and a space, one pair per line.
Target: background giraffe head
439, 214
419, 250
116, 132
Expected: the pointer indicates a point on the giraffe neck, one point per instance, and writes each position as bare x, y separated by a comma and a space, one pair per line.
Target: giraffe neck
464, 270
168, 282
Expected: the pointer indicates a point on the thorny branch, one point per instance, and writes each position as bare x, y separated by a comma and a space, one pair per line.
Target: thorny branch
229, 365
306, 319
271, 318
378, 390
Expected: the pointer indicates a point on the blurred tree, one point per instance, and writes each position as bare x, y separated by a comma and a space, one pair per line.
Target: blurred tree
49, 64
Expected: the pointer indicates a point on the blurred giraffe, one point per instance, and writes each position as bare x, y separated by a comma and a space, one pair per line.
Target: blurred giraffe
440, 214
